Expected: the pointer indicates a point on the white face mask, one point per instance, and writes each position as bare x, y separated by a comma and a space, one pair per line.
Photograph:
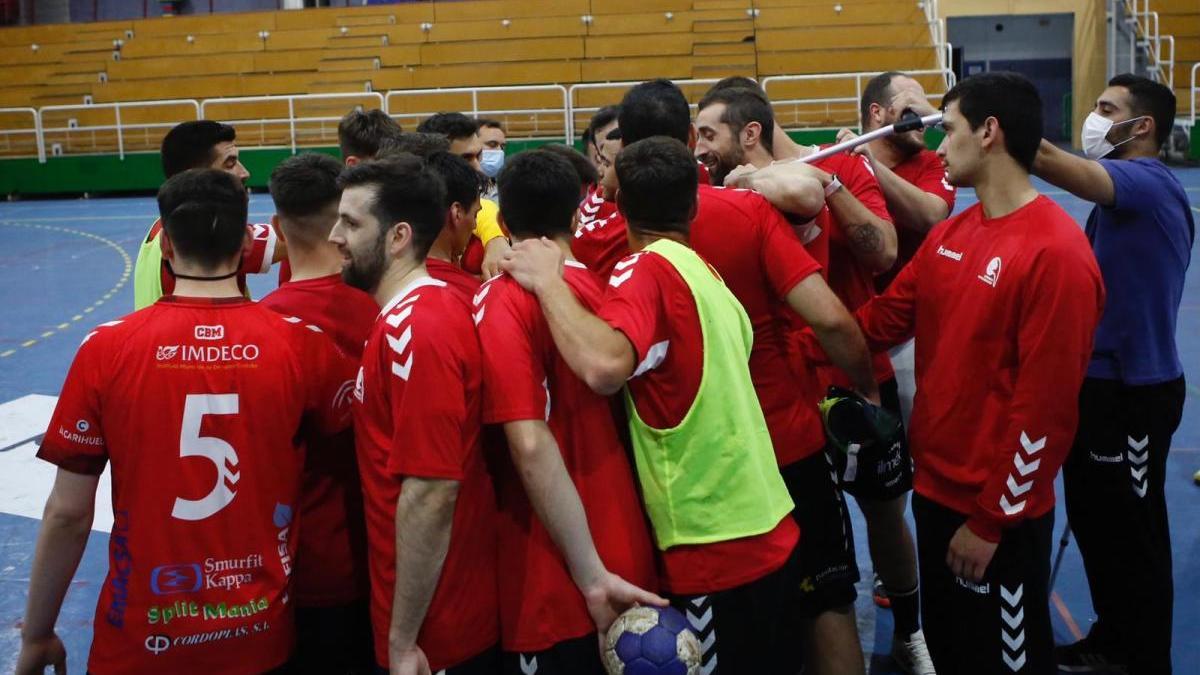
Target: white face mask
1095, 135
491, 162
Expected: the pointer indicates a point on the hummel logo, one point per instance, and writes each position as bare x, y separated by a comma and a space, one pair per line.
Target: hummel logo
953, 255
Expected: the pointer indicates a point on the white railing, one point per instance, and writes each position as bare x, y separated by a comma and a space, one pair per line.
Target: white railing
1144, 32
291, 118
117, 125
1195, 91
36, 130
475, 109
937, 33
859, 78
50, 121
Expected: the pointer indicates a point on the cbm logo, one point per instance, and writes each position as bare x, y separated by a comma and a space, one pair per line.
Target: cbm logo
170, 579
210, 332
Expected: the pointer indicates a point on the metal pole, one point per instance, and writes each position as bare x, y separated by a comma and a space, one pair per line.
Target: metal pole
120, 140
41, 137
908, 122
1062, 549
292, 121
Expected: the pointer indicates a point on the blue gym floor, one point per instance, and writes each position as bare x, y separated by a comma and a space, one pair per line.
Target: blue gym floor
65, 266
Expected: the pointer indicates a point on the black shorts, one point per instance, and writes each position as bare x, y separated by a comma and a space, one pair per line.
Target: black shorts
334, 640
741, 629
485, 663
879, 475
579, 655
828, 568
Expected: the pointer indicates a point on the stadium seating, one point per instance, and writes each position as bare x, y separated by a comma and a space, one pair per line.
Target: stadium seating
1181, 19
429, 45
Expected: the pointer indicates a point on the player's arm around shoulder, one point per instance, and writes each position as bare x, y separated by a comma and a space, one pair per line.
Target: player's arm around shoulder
1084, 178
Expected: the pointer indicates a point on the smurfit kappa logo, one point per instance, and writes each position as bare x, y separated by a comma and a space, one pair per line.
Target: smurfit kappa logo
170, 579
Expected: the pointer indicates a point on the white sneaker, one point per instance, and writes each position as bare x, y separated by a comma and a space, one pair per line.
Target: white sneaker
912, 655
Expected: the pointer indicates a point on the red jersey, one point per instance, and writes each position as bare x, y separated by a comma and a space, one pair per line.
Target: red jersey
926, 171
851, 281
463, 283
525, 378
1003, 311
331, 564
256, 260
649, 302
197, 403
418, 414
595, 207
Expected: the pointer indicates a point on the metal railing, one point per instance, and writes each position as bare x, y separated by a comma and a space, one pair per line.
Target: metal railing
1145, 34
1195, 91
474, 94
36, 130
946, 73
286, 128
117, 126
292, 119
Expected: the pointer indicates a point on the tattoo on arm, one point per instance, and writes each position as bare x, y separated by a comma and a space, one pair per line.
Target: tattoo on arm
865, 238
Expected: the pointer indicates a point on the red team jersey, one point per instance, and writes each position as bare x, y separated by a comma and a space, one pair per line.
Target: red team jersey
418, 415
1004, 323
525, 378
331, 565
649, 302
257, 260
761, 259
853, 283
926, 171
197, 404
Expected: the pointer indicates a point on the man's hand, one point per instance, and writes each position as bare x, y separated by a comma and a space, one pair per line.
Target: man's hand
740, 177
610, 595
534, 263
969, 556
409, 661
36, 655
864, 149
493, 253
912, 101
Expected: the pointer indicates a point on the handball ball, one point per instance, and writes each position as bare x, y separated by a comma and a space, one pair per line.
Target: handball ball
651, 641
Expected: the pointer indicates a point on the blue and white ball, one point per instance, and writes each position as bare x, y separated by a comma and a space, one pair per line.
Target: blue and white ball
651, 641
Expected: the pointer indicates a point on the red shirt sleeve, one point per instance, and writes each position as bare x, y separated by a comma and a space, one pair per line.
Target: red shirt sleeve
330, 377
934, 181
633, 302
888, 320
514, 375
860, 180
1061, 302
429, 408
783, 256
75, 440
258, 258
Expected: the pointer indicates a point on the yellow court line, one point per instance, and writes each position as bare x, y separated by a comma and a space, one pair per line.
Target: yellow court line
128, 267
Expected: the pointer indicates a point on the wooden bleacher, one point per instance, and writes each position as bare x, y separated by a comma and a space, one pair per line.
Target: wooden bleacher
1181, 19
467, 43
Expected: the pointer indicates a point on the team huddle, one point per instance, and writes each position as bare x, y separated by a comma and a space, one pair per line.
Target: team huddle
495, 403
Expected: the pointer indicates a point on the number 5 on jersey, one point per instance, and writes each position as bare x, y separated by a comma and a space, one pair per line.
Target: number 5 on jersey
215, 450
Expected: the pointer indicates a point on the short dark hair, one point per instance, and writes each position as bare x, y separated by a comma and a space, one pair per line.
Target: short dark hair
452, 125
602, 118
657, 183
1147, 97
304, 188
737, 81
405, 191
654, 108
413, 142
539, 194
743, 106
361, 131
614, 134
1013, 100
203, 211
304, 184
484, 122
877, 92
189, 145
585, 169
463, 183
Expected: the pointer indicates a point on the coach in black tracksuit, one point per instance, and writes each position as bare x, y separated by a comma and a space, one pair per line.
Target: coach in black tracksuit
1142, 231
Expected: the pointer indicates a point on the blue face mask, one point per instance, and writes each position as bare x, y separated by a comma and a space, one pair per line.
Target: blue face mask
491, 161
